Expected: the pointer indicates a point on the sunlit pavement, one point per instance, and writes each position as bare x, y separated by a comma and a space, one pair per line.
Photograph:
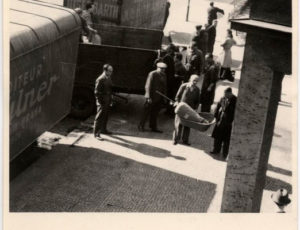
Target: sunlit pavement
139, 171
142, 171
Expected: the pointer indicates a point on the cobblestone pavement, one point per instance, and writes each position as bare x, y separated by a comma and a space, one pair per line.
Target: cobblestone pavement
134, 171
139, 171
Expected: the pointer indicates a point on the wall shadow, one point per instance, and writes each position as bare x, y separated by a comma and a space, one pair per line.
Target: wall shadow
285, 104
273, 184
90, 180
279, 170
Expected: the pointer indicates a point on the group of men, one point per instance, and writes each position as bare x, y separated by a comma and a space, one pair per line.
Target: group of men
205, 37
87, 22
188, 92
179, 82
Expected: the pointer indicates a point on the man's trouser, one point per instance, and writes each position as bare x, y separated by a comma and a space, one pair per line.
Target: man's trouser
150, 111
180, 132
210, 46
103, 107
207, 99
218, 145
205, 107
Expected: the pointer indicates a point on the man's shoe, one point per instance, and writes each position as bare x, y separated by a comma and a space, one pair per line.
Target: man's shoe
106, 132
156, 131
213, 152
175, 142
98, 137
186, 143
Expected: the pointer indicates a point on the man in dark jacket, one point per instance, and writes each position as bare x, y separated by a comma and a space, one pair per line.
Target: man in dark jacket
156, 81
212, 13
196, 37
224, 115
195, 63
212, 31
209, 84
190, 94
103, 94
168, 59
180, 72
203, 35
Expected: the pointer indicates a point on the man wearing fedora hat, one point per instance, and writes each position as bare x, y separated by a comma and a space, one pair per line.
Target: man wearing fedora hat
156, 81
281, 199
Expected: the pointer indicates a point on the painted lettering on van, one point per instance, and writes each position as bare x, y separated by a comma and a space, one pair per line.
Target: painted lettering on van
26, 100
26, 77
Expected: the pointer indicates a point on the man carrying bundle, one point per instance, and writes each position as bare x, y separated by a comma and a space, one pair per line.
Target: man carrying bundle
190, 94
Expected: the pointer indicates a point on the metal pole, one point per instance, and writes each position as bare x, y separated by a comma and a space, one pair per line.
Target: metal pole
188, 11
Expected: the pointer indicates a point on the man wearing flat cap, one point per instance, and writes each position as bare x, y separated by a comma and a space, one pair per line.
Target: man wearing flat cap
156, 81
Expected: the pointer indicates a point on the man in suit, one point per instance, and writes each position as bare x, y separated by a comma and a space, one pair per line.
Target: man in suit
156, 81
190, 94
203, 35
209, 84
180, 72
224, 115
196, 38
212, 31
103, 94
195, 63
212, 13
168, 59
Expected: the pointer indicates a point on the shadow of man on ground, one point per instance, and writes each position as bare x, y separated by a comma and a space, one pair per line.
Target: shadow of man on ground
143, 148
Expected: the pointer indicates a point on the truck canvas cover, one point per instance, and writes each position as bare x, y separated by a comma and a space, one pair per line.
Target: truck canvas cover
43, 52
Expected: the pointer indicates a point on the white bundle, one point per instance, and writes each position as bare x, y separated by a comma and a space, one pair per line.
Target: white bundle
185, 111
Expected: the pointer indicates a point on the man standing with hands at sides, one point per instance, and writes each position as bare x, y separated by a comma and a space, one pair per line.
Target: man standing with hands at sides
103, 94
224, 115
209, 83
156, 81
212, 13
190, 94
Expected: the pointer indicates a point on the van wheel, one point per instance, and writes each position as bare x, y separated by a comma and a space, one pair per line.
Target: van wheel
83, 103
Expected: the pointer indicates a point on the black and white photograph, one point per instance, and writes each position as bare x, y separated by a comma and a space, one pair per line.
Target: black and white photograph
151, 107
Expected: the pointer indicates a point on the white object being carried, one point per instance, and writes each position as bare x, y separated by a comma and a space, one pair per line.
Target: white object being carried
190, 118
185, 111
